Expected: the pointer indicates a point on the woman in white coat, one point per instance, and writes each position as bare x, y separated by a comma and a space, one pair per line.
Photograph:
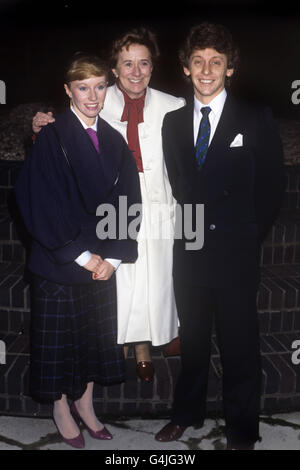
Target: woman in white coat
146, 305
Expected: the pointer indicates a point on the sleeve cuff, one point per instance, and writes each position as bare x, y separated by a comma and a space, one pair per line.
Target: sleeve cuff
84, 258
115, 262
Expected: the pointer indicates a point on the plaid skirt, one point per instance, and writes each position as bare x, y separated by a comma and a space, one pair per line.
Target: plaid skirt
73, 338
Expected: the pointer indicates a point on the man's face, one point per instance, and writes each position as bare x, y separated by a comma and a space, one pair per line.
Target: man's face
208, 71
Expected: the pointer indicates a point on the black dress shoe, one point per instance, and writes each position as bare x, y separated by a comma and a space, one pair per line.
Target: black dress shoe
170, 432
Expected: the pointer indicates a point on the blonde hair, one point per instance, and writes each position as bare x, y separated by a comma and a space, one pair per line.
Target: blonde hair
83, 66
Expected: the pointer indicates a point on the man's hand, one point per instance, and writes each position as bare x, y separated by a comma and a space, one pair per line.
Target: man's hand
105, 272
40, 120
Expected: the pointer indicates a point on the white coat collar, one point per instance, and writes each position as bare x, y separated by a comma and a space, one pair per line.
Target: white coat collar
119, 97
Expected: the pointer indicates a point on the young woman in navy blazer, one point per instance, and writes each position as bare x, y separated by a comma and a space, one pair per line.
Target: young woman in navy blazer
65, 178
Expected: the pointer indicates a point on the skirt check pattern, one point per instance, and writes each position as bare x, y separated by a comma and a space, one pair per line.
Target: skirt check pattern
73, 338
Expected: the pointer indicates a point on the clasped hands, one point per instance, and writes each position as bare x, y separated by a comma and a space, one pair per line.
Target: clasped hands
102, 270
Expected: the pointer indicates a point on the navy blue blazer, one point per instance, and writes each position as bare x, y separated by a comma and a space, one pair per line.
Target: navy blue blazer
241, 189
59, 205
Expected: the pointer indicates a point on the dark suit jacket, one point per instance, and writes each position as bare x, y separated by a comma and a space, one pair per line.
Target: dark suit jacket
241, 189
59, 207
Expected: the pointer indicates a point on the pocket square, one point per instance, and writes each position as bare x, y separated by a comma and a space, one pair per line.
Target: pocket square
237, 141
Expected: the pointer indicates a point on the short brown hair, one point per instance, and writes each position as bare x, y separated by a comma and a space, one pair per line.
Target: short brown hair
210, 35
82, 66
141, 36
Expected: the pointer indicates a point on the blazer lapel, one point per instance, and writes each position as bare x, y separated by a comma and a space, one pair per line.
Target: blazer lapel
94, 173
228, 127
225, 132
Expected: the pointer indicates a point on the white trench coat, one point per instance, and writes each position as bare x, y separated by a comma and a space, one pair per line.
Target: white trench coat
146, 304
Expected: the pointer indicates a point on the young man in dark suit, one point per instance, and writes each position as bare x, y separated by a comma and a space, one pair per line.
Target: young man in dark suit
227, 155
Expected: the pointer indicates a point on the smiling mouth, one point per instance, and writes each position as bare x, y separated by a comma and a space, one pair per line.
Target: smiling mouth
135, 81
206, 82
92, 106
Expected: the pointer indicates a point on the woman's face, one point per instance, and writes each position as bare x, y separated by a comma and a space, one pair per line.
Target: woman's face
87, 97
134, 69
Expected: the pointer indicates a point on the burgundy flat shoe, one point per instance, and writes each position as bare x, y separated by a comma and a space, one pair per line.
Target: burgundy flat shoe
145, 370
102, 434
170, 432
77, 442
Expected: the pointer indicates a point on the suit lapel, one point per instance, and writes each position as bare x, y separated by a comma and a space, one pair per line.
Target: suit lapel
228, 127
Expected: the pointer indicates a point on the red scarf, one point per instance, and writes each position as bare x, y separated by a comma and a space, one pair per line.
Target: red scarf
133, 113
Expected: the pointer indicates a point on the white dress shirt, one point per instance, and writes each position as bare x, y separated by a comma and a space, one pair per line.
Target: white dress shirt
86, 255
216, 105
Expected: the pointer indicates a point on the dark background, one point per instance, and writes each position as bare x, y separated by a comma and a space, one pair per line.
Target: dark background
37, 38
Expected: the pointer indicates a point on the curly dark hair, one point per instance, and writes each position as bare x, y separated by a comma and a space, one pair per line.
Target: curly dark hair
210, 35
141, 36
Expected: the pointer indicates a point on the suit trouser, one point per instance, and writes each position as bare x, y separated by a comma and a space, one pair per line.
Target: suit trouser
238, 339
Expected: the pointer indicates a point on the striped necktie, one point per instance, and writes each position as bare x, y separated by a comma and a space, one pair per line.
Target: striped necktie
203, 137
94, 137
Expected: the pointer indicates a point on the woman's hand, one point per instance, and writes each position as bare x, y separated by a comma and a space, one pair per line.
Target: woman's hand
105, 272
94, 264
40, 120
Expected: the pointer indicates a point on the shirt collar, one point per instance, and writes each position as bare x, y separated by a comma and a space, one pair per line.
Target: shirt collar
216, 104
94, 126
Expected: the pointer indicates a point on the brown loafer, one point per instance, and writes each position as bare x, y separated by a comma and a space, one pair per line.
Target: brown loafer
170, 432
145, 370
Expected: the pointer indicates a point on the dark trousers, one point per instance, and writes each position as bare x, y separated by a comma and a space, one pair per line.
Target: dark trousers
238, 339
